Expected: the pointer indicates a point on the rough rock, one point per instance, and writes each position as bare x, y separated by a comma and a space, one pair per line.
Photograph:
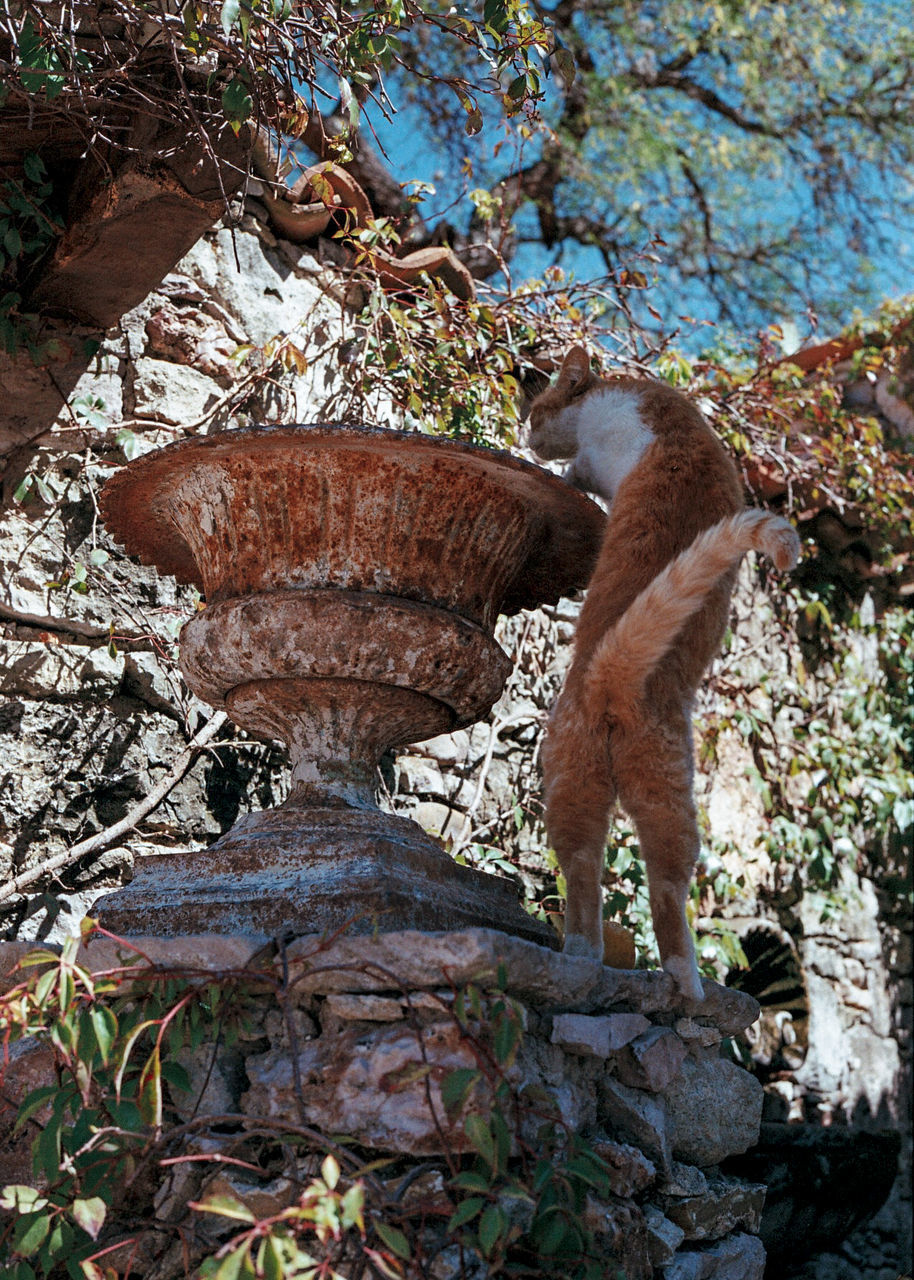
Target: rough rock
547, 980
594, 1035
652, 1060
689, 1030
363, 1008
630, 1171
213, 953
636, 1117
683, 1180
370, 1084
714, 1109
737, 1257
621, 1235
30, 1066
663, 1236
264, 1199
725, 1205
216, 1078
172, 392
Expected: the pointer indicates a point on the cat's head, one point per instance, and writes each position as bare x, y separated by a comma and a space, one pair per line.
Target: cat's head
553, 431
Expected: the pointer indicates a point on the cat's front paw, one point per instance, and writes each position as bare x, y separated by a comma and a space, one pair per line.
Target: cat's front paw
577, 945
684, 972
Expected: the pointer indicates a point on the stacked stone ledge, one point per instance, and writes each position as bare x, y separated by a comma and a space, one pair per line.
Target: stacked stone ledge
628, 1064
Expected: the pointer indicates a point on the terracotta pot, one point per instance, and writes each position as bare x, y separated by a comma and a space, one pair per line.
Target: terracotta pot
353, 578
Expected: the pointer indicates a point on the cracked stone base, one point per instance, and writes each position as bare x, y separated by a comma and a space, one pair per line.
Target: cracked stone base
315, 871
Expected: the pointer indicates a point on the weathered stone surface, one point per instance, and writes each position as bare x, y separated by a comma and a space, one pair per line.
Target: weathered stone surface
370, 1084
663, 1236
595, 1035
700, 1033
30, 1066
418, 960
738, 1257
362, 1008
10, 955
630, 1171
636, 1117
568, 1079
725, 1205
173, 392
715, 1109
264, 1199
210, 952
621, 1235
683, 1180
652, 1060
547, 980
216, 1077
727, 1008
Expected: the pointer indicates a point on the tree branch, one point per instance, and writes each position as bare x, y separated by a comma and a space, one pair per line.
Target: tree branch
668, 78
104, 839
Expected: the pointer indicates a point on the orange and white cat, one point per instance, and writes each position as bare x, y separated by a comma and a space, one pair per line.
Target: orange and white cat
653, 618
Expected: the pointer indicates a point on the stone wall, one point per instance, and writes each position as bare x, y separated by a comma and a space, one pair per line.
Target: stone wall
88, 727
366, 1035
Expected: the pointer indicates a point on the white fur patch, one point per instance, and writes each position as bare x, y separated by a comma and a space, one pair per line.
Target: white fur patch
612, 436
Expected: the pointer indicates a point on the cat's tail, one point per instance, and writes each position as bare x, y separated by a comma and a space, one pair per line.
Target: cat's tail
631, 649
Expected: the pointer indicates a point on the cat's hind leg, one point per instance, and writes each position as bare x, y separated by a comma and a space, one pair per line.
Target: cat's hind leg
653, 769
579, 795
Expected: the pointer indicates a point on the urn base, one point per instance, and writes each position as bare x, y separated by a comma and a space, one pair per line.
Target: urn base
291, 872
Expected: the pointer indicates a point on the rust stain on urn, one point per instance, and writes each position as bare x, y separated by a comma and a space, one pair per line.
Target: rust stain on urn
353, 577
361, 509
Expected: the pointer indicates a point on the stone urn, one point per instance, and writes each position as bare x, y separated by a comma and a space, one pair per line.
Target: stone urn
352, 579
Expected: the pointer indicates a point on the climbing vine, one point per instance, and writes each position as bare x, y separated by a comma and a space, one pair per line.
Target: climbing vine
114, 1121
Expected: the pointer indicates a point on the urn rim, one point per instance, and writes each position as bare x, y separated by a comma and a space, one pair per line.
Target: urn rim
132, 502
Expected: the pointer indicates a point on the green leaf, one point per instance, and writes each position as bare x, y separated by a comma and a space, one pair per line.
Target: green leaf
33, 167
492, 1226
473, 122
507, 1037
551, 1230
225, 1207
33, 1101
565, 65
44, 492
480, 1136
90, 1214
269, 1260
502, 1136
236, 103
177, 1076
129, 1043
330, 1171
471, 1181
395, 1240
456, 1088
30, 1232
352, 1208
465, 1212
46, 1150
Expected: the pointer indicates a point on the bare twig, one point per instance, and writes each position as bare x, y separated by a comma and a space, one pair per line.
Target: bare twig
104, 839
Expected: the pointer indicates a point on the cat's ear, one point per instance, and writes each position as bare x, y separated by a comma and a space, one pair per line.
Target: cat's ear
575, 366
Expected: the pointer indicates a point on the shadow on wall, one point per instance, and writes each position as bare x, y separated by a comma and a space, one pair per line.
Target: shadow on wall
828, 1170
822, 1184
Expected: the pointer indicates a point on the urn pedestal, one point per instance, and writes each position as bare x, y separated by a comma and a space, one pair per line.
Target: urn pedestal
352, 578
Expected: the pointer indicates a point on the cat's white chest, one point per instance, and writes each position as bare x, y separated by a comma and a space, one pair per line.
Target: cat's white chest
612, 437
